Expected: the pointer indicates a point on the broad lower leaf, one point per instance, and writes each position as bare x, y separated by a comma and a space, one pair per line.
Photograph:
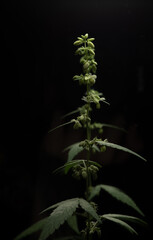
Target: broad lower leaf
116, 146
73, 150
127, 218
121, 223
73, 223
64, 211
32, 229
116, 193
57, 204
89, 209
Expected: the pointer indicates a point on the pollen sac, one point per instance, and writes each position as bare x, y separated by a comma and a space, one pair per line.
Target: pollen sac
103, 149
78, 42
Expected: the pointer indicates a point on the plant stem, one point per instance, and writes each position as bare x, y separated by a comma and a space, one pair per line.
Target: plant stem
88, 180
88, 185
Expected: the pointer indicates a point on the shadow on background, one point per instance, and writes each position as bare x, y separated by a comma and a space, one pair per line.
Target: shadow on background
37, 66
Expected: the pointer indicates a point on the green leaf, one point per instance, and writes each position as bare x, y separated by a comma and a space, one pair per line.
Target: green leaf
113, 126
71, 113
66, 167
73, 150
89, 209
116, 146
116, 193
32, 229
57, 204
72, 222
127, 218
64, 211
62, 125
121, 223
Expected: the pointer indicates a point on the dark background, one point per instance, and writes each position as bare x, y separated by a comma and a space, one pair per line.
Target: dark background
36, 89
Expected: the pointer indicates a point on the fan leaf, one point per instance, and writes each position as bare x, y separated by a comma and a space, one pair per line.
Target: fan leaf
73, 150
73, 223
66, 167
113, 126
89, 209
121, 223
116, 146
61, 125
116, 193
64, 211
127, 218
32, 229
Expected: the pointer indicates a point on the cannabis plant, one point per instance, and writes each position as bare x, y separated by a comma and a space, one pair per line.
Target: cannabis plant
85, 210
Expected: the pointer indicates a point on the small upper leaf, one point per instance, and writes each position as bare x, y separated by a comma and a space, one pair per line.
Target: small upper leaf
62, 125
73, 150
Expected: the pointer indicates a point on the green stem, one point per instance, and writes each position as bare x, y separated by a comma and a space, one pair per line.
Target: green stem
88, 181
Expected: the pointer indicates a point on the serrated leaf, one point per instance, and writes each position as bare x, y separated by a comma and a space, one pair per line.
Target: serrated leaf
116, 146
62, 125
127, 218
89, 209
64, 210
32, 229
73, 223
121, 223
66, 167
73, 150
116, 193
56, 205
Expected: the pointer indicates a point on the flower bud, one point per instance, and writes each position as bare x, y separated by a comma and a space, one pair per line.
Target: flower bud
100, 131
98, 105
103, 149
77, 43
86, 35
84, 174
90, 44
92, 81
91, 39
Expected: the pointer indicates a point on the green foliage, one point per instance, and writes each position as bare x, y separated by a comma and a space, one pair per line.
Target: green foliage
73, 223
63, 211
126, 218
74, 150
116, 193
89, 209
67, 211
32, 229
121, 223
71, 164
116, 146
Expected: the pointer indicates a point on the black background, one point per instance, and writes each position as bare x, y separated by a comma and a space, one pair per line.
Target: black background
36, 89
